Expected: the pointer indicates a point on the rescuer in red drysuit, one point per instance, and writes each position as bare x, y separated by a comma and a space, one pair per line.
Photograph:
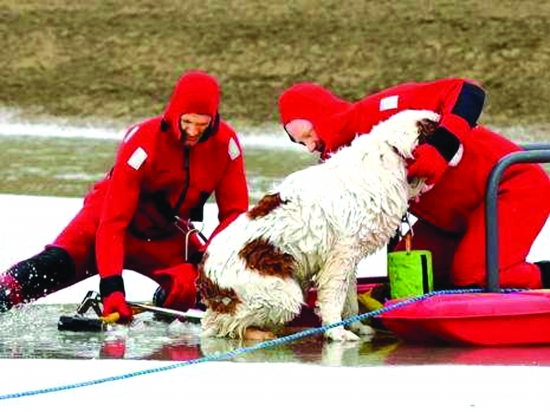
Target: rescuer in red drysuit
456, 160
138, 217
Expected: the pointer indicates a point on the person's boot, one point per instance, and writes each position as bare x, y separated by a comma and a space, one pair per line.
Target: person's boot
36, 277
544, 266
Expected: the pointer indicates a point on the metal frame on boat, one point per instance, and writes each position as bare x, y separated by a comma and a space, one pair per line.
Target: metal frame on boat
492, 317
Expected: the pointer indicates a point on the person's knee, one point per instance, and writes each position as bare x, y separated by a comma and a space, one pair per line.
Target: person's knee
43, 273
465, 273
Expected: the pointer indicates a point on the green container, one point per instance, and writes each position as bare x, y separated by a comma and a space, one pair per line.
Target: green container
410, 273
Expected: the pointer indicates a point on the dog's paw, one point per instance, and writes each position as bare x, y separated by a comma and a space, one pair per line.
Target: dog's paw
252, 333
365, 331
340, 334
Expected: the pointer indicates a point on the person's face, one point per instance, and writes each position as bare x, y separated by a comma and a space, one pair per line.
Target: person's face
302, 132
193, 126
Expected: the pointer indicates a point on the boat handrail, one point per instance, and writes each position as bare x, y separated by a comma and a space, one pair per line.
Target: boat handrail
533, 153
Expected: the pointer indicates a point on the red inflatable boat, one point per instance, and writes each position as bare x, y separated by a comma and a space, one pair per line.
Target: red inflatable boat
518, 318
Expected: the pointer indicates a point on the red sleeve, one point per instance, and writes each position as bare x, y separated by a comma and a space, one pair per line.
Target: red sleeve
461, 103
458, 101
232, 191
120, 203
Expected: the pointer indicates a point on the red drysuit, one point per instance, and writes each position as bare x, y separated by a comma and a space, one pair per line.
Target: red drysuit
451, 215
125, 222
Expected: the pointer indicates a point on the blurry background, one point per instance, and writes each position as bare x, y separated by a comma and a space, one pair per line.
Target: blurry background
107, 63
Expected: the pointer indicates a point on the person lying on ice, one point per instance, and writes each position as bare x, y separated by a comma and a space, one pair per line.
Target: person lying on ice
456, 161
137, 217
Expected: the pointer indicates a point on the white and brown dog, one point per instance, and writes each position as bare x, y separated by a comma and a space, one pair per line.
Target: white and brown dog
312, 231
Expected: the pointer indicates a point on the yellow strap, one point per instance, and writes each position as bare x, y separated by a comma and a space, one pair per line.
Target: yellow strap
112, 318
369, 302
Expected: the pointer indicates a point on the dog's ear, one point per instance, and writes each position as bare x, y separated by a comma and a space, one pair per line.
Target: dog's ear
426, 128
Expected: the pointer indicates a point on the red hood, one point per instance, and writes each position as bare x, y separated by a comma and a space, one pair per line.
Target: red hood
195, 92
312, 102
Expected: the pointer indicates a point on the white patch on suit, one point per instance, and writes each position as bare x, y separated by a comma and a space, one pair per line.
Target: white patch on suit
138, 157
389, 103
233, 149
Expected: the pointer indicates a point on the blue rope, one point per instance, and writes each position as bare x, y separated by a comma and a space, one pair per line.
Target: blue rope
243, 350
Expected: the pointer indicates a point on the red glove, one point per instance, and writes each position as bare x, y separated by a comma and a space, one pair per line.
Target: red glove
179, 284
428, 164
112, 293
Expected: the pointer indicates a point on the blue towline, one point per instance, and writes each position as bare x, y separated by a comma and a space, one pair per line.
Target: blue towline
243, 350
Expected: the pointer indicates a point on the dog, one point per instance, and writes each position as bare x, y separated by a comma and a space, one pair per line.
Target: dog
312, 231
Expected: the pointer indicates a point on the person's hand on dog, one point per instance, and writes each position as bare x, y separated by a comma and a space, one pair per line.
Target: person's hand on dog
427, 164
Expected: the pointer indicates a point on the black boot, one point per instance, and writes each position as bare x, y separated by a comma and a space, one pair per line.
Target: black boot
544, 266
36, 277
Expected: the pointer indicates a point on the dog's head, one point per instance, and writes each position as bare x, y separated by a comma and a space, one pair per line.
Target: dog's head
405, 130
395, 139
402, 133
